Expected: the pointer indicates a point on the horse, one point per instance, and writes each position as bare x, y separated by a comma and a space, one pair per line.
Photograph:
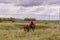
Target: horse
29, 27
32, 26
26, 28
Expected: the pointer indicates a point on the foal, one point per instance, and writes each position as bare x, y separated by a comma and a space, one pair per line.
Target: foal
26, 28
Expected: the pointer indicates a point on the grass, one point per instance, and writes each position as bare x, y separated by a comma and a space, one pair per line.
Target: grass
43, 31
17, 26
47, 34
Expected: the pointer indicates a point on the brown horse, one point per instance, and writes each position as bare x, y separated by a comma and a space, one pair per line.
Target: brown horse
32, 26
26, 28
29, 27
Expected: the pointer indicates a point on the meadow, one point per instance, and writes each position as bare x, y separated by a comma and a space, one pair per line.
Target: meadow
45, 30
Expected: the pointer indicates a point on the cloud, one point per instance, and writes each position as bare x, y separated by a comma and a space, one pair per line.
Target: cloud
5, 1
8, 9
36, 2
31, 2
38, 12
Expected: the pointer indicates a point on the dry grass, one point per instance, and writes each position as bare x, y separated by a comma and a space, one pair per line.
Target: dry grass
47, 34
17, 26
44, 31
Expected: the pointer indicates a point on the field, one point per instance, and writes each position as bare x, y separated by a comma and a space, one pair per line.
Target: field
45, 30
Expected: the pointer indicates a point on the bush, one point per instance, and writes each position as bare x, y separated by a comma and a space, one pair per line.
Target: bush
29, 19
12, 19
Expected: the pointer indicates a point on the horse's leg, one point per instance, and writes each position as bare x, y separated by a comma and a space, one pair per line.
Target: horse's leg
27, 30
33, 28
30, 29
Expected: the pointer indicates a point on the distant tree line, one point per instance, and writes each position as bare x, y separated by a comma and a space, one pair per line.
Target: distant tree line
14, 19
7, 19
29, 19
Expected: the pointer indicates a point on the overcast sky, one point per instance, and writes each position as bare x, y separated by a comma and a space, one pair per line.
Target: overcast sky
39, 9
